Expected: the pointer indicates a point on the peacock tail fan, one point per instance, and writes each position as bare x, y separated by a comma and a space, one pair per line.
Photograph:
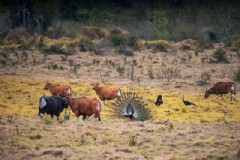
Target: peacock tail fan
130, 105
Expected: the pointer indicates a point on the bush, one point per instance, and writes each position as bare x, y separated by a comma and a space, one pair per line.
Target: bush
56, 31
95, 32
18, 35
123, 51
61, 46
236, 44
118, 39
220, 55
86, 44
185, 47
158, 45
117, 31
133, 42
237, 75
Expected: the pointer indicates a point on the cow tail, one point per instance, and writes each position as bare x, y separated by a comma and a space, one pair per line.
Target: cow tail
234, 89
120, 92
99, 107
70, 90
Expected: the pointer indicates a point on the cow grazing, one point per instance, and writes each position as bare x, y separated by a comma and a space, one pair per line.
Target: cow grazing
159, 100
107, 92
52, 105
221, 88
86, 107
58, 90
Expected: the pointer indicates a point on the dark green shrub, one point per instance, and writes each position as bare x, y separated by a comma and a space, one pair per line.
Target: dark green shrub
237, 75
220, 55
236, 44
86, 44
118, 39
185, 47
132, 42
57, 31
82, 15
212, 36
57, 48
123, 51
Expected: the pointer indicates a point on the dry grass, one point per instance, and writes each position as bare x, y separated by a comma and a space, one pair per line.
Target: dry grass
208, 130
31, 138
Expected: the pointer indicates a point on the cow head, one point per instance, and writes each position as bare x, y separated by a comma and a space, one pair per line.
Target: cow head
206, 94
66, 101
47, 85
95, 85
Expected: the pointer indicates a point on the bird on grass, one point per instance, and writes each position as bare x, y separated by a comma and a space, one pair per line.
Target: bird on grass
159, 100
188, 103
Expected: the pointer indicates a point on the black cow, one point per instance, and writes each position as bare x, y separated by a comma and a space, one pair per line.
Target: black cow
52, 105
221, 88
159, 100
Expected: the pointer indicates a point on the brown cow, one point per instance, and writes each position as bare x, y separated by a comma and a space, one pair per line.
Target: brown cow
58, 90
106, 92
86, 107
221, 88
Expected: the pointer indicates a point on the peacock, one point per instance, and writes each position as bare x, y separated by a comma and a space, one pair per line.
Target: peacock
159, 100
187, 103
131, 106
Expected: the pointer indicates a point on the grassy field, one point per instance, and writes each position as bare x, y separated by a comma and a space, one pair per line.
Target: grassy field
209, 130
19, 97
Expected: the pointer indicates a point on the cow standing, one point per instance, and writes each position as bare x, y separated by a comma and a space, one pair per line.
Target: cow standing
221, 88
58, 90
86, 107
106, 92
52, 105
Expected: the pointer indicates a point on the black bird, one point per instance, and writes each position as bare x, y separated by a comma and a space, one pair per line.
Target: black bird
159, 100
187, 103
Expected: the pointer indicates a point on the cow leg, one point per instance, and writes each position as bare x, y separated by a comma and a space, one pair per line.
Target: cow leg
84, 118
222, 96
51, 116
58, 116
102, 100
232, 97
97, 117
77, 118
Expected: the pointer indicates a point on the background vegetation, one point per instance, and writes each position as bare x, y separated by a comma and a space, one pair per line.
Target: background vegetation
206, 21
